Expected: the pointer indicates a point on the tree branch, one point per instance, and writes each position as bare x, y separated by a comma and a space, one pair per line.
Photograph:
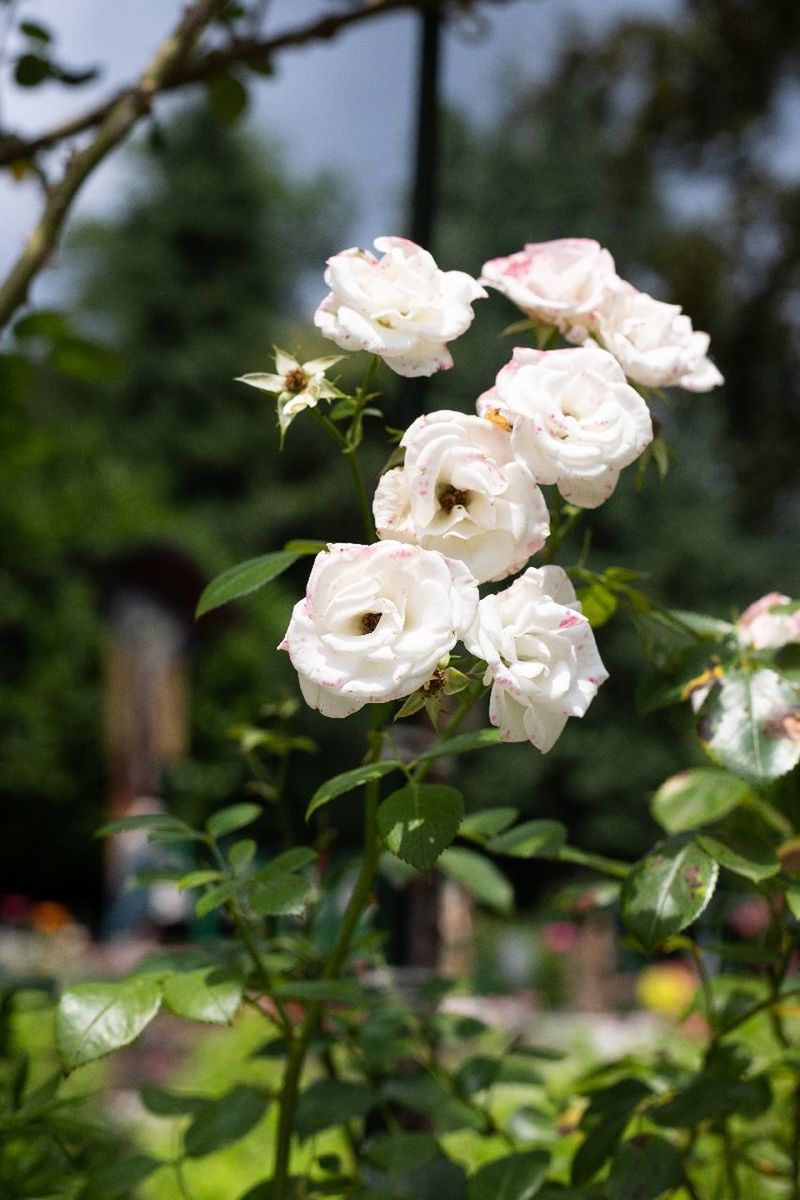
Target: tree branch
251, 51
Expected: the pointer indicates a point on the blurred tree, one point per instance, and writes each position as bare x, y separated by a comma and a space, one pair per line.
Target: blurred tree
191, 285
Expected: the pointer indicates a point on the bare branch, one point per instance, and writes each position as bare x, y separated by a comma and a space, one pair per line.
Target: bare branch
244, 51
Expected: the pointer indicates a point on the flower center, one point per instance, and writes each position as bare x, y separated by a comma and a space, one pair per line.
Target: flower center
295, 381
369, 621
451, 496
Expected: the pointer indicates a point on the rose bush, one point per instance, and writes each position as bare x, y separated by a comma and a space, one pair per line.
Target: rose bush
400, 307
461, 491
374, 623
575, 421
541, 657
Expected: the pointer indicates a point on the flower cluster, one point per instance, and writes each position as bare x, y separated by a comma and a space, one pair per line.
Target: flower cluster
378, 622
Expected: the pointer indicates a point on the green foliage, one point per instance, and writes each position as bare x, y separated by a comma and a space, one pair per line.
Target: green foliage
667, 890
419, 821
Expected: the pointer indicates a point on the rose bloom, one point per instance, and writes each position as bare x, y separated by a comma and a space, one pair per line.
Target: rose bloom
763, 625
560, 283
401, 306
462, 492
540, 654
375, 622
575, 420
655, 342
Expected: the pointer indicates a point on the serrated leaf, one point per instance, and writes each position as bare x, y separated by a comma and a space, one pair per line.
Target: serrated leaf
112, 1179
245, 578
644, 1167
697, 797
282, 895
241, 855
348, 781
746, 723
479, 876
481, 739
215, 897
424, 1094
95, 1018
294, 859
514, 1177
210, 994
479, 826
330, 1102
667, 890
531, 839
418, 821
598, 604
235, 816
220, 1123
742, 851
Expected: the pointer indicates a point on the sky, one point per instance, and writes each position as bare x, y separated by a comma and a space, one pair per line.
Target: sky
345, 105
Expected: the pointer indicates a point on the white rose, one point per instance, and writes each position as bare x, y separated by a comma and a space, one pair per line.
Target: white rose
374, 623
655, 342
575, 419
462, 492
560, 283
400, 306
770, 622
540, 655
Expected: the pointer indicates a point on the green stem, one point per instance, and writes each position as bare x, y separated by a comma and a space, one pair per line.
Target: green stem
469, 698
351, 454
705, 982
356, 905
561, 533
730, 1162
756, 1009
597, 862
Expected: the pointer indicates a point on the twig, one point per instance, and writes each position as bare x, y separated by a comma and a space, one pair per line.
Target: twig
172, 67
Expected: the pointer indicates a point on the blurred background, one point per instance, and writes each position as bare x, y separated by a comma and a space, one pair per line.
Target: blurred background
134, 468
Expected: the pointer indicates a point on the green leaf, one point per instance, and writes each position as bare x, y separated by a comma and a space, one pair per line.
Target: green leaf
245, 578
144, 821
598, 604
604, 1121
711, 1095
227, 97
479, 876
479, 826
95, 1018
514, 1177
479, 740
330, 1102
742, 851
112, 1179
228, 820
667, 890
282, 895
84, 360
294, 859
306, 546
412, 1165
31, 70
697, 797
425, 1095
419, 820
348, 781
476, 1074
241, 855
531, 839
196, 879
221, 1122
644, 1168
46, 323
169, 1104
210, 994
215, 897
743, 724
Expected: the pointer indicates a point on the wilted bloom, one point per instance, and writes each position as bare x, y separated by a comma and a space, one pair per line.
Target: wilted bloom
401, 306
560, 283
375, 622
655, 343
540, 655
575, 420
772, 621
296, 385
461, 491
